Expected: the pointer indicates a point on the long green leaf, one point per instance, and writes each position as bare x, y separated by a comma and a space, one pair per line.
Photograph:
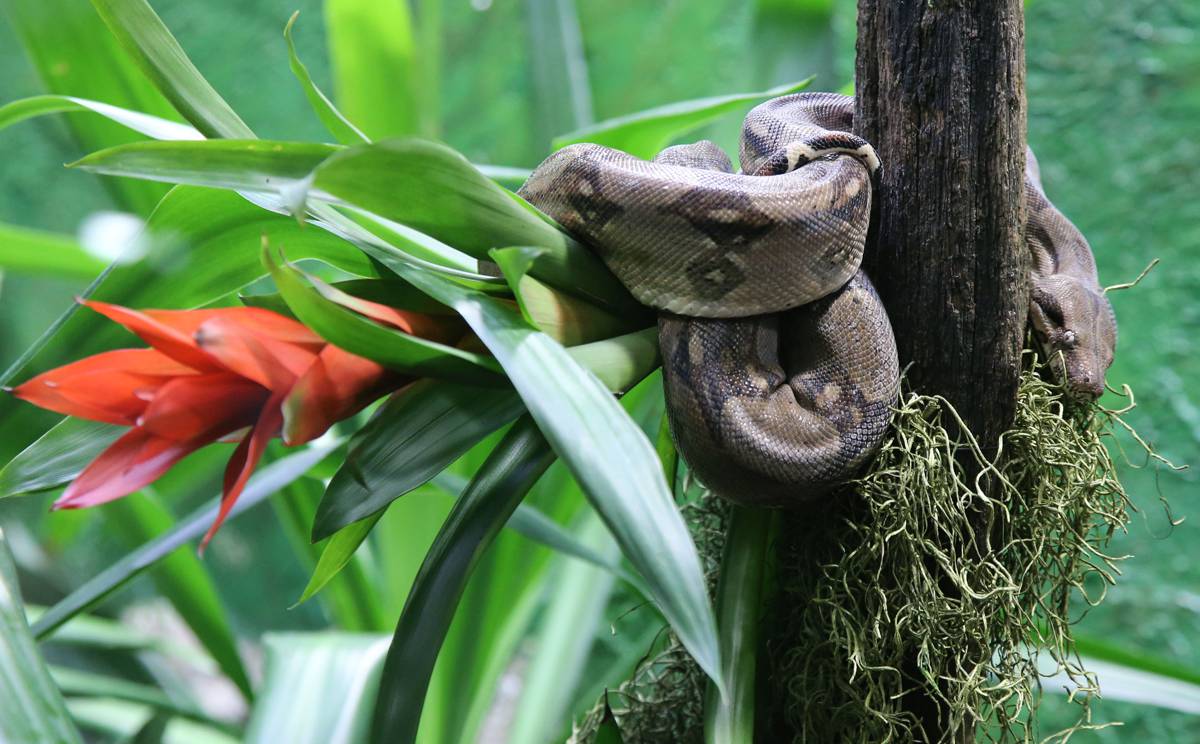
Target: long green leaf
614, 462
645, 133
31, 707
729, 719
244, 165
151, 126
42, 253
580, 594
498, 487
318, 688
424, 185
338, 552
412, 437
376, 66
75, 56
57, 457
78, 683
144, 37
353, 601
562, 94
335, 121
261, 486
123, 721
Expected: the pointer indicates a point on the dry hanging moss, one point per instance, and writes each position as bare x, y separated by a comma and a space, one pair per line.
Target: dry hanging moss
925, 589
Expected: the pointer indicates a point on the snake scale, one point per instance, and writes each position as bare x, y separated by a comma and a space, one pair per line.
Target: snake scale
779, 361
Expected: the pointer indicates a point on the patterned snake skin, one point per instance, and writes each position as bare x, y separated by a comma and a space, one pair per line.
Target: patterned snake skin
779, 361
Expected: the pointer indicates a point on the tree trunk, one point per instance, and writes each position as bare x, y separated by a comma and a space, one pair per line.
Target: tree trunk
941, 95
940, 88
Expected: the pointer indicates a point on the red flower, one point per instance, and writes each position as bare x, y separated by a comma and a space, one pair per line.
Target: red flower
211, 375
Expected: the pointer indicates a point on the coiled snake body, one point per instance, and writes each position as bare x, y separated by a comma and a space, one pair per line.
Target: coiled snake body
779, 361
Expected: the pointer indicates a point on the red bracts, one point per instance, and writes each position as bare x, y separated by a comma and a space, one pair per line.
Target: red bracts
209, 375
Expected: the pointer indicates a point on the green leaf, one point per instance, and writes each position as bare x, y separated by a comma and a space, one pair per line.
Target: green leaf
618, 469
560, 315
478, 515
79, 683
352, 602
413, 436
337, 124
729, 719
424, 185
120, 720
384, 291
575, 612
318, 688
57, 457
377, 70
183, 580
144, 37
73, 55
608, 732
244, 165
262, 485
31, 707
562, 95
1113, 653
395, 349
645, 133
535, 525
41, 253
151, 126
338, 552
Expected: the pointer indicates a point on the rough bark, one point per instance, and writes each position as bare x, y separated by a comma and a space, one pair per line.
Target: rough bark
940, 90
941, 94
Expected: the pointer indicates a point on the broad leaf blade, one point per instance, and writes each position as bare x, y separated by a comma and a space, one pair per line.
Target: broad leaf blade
645, 133
618, 469
318, 688
144, 37
151, 126
729, 719
412, 437
376, 66
478, 516
75, 56
244, 165
336, 122
424, 185
41, 253
31, 707
57, 457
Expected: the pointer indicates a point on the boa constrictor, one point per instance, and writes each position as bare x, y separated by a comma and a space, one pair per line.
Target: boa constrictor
779, 361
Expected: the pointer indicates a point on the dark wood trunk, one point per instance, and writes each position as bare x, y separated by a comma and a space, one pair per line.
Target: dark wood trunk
941, 94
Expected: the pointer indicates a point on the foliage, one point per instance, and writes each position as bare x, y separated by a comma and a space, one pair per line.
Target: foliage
497, 84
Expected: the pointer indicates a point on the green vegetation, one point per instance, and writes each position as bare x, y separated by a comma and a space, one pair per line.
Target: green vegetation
565, 591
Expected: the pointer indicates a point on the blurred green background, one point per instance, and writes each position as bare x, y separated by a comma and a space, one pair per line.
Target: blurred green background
1114, 114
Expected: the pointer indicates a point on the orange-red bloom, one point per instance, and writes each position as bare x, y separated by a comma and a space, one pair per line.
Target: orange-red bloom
210, 375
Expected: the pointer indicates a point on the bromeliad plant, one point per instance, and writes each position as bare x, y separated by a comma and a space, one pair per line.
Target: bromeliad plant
418, 245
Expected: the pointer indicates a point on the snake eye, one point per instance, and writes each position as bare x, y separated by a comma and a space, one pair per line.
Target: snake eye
1069, 338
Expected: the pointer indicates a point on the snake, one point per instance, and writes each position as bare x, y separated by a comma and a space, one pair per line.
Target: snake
780, 366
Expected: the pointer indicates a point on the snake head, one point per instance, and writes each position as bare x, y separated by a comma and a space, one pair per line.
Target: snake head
1077, 331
